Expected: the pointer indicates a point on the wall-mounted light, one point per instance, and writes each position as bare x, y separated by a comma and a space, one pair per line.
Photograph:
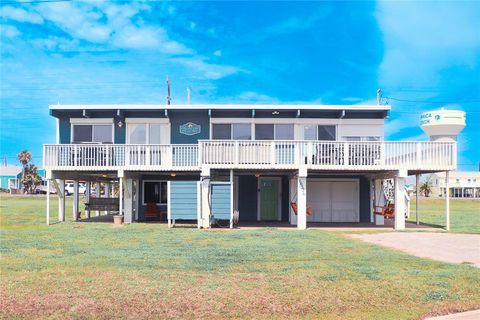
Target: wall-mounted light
257, 175
120, 123
173, 174
275, 113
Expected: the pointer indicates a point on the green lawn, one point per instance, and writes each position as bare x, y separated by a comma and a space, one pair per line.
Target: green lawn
92, 270
464, 214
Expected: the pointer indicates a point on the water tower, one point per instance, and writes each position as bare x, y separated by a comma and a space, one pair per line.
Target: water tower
443, 125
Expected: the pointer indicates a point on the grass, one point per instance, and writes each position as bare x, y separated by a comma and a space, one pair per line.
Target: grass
92, 270
464, 214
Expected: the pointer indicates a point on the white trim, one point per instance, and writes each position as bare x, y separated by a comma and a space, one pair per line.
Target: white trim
199, 205
279, 193
148, 120
91, 120
158, 203
220, 107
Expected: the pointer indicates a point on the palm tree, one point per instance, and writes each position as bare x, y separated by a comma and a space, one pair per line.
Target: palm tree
24, 157
426, 188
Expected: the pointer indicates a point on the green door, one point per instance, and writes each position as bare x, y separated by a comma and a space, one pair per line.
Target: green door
269, 199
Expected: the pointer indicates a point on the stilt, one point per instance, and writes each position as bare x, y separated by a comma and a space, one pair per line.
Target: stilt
417, 198
302, 199
447, 201
48, 201
120, 207
372, 199
75, 201
205, 195
399, 183
128, 201
88, 191
231, 199
61, 200
107, 194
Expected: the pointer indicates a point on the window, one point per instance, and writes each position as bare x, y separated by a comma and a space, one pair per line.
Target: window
326, 133
155, 191
274, 131
321, 132
264, 132
144, 133
235, 131
241, 131
100, 133
221, 131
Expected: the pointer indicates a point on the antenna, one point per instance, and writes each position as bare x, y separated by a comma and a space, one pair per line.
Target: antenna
379, 96
188, 95
168, 91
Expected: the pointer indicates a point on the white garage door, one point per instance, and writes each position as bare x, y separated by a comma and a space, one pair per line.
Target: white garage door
333, 201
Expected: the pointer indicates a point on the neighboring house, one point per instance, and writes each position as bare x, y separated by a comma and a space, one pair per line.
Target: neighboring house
202, 161
462, 184
9, 177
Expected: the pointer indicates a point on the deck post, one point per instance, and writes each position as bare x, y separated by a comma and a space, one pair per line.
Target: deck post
372, 200
75, 201
120, 197
48, 202
98, 195
61, 200
447, 201
205, 195
128, 201
417, 198
88, 190
302, 199
231, 199
399, 183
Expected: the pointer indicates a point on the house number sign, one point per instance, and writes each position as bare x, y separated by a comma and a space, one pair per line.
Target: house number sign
190, 129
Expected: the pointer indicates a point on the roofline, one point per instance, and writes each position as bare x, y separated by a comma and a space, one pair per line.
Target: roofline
217, 107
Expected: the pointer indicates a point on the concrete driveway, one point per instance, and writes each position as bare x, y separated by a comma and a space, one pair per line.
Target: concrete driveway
447, 247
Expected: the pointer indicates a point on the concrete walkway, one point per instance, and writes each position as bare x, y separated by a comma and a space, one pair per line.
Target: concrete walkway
469, 315
447, 247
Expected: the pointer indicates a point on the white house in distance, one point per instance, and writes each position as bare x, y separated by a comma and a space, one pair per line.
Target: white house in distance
298, 164
463, 184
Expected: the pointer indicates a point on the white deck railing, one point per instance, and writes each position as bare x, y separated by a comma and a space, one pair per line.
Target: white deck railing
251, 154
120, 156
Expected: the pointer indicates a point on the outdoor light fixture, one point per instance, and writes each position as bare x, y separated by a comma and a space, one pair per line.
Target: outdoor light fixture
275, 113
120, 123
257, 175
173, 174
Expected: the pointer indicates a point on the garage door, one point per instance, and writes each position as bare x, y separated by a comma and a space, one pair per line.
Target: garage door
333, 201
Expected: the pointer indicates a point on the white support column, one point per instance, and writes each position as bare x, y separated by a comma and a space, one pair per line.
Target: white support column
48, 201
302, 199
205, 195
75, 201
399, 183
120, 197
372, 199
61, 200
128, 201
98, 195
88, 191
231, 199
417, 198
447, 201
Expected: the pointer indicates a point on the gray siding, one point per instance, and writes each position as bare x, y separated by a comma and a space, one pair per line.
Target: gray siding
221, 206
183, 200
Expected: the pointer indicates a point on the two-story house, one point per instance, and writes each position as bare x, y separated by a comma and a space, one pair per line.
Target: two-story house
293, 163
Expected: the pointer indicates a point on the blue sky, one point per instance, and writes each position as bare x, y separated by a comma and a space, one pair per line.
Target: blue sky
239, 52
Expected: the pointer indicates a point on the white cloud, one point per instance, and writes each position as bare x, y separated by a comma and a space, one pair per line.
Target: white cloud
20, 15
206, 70
9, 31
217, 53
